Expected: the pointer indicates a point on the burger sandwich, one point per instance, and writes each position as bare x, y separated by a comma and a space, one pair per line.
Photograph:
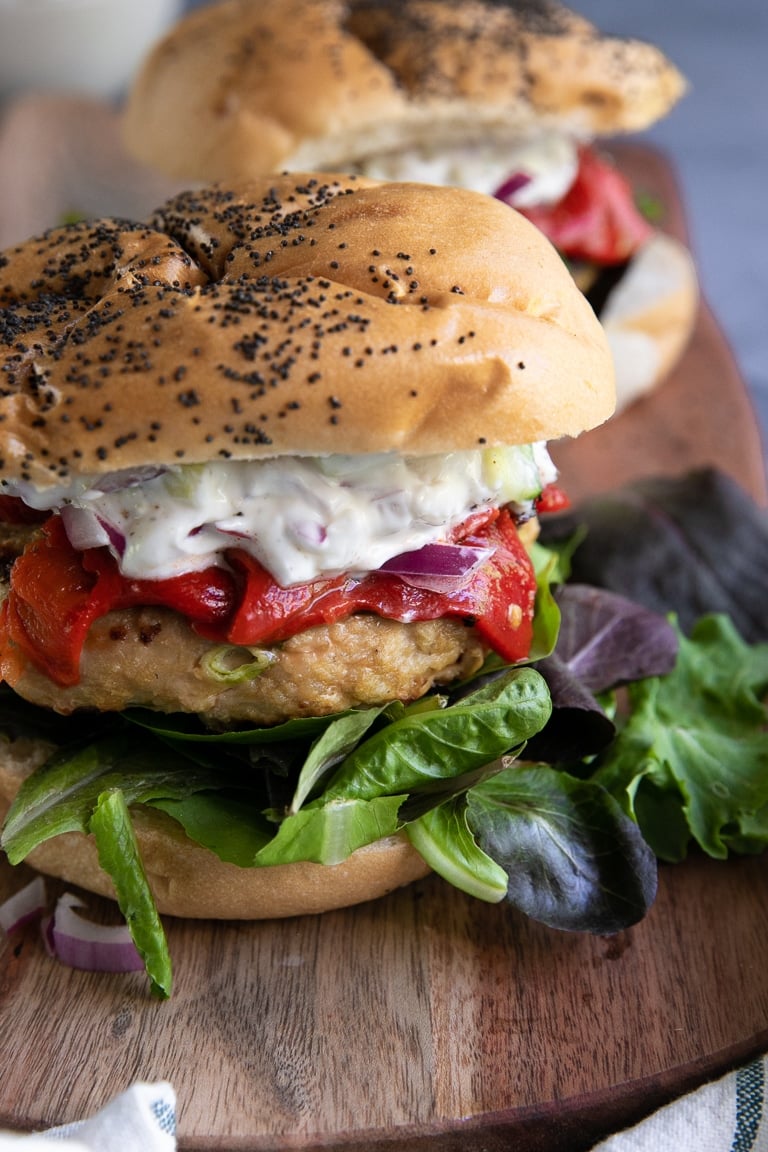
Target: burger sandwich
507, 98
271, 469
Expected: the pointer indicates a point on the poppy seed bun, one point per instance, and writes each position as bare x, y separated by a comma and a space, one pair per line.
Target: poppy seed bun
188, 880
297, 315
237, 89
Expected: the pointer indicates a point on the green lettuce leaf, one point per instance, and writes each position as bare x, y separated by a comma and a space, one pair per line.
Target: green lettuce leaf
423, 748
63, 793
328, 832
549, 567
692, 759
339, 739
119, 857
324, 833
227, 824
186, 727
443, 837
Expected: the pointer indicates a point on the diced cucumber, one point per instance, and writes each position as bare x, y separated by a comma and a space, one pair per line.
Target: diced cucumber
513, 472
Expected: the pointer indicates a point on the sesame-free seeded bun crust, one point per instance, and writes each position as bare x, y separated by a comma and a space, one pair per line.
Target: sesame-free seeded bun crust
297, 315
187, 880
238, 88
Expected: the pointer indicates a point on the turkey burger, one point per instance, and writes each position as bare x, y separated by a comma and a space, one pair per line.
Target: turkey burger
271, 464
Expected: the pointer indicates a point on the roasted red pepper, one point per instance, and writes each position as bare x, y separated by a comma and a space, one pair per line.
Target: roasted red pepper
597, 219
552, 499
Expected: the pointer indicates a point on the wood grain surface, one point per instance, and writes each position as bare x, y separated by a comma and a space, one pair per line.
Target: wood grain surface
428, 1020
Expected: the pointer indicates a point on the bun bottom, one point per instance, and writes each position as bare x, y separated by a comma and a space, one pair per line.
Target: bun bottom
187, 880
649, 316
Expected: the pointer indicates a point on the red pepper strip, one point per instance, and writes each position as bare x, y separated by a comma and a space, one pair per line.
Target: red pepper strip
57, 593
597, 219
552, 499
207, 597
49, 608
499, 597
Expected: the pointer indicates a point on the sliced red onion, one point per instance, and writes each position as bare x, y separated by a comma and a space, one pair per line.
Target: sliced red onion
115, 536
46, 931
128, 478
438, 567
309, 532
85, 529
80, 943
233, 532
25, 905
512, 185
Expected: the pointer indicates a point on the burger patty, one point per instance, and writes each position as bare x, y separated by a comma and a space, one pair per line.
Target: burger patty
151, 657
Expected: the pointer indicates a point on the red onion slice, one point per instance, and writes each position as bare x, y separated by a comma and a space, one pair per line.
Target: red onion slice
80, 943
85, 529
438, 567
25, 905
309, 532
512, 185
116, 537
46, 932
128, 478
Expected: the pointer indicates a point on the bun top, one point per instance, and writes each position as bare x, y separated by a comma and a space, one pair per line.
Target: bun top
237, 88
298, 315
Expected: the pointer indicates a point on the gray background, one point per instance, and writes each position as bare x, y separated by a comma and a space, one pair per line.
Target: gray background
717, 138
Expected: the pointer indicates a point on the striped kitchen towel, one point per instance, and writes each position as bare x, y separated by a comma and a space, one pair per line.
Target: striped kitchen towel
141, 1119
728, 1115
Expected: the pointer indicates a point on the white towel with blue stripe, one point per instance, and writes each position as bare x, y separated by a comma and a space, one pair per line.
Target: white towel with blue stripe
141, 1119
727, 1115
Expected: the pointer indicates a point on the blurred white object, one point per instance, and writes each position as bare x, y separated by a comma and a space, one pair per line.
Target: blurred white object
650, 315
89, 46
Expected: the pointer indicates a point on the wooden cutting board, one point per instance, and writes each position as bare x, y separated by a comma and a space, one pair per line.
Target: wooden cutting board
427, 1020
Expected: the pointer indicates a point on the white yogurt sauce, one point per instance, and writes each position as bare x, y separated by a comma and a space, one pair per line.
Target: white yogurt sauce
550, 162
301, 517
